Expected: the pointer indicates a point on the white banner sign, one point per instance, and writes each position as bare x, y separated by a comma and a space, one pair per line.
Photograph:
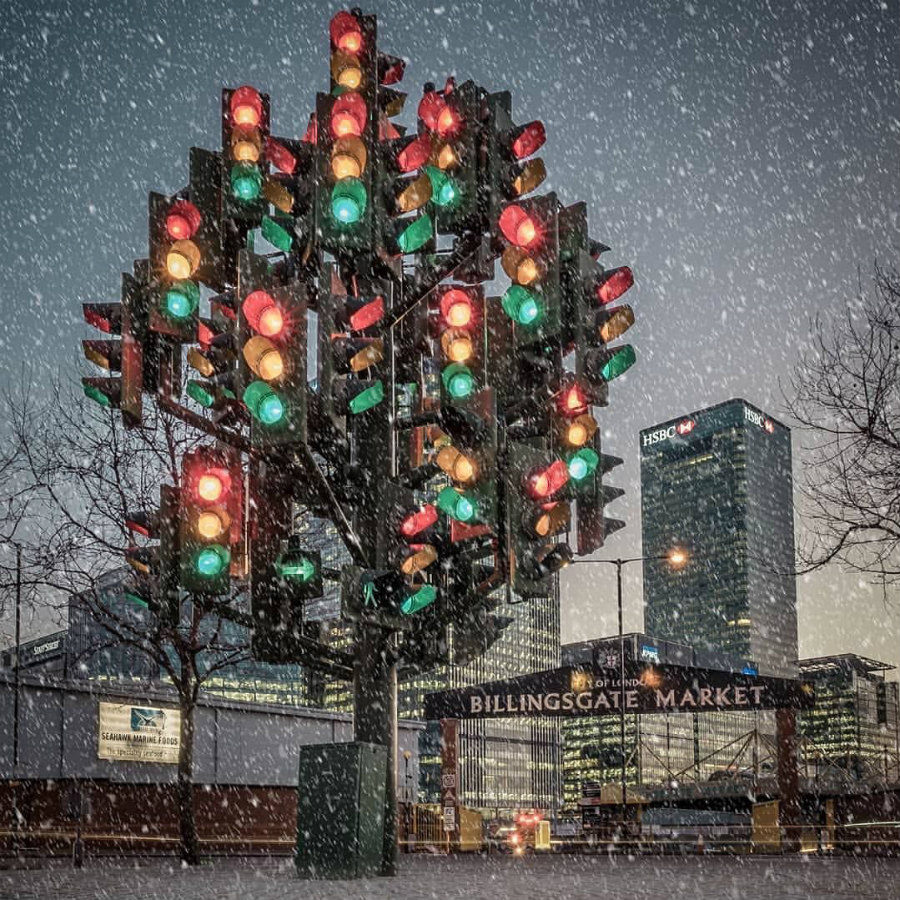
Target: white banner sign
138, 733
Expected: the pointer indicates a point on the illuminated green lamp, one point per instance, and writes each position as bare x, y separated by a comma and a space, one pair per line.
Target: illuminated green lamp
348, 201
458, 380
264, 404
620, 361
295, 565
424, 596
522, 305
246, 181
582, 464
416, 235
198, 392
368, 398
181, 299
94, 393
212, 561
457, 505
444, 190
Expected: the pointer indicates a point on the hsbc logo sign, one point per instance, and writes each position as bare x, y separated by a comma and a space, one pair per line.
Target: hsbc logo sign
758, 419
682, 428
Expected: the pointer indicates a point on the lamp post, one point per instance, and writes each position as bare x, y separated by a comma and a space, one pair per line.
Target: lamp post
676, 558
16, 669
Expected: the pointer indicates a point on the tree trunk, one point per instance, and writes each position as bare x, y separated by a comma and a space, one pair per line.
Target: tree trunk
375, 722
187, 823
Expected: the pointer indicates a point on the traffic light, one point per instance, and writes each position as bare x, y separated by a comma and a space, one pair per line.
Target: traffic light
528, 234
271, 352
451, 120
512, 169
408, 537
586, 468
458, 326
299, 570
537, 511
175, 262
245, 133
347, 136
155, 582
214, 358
383, 597
465, 450
210, 519
125, 355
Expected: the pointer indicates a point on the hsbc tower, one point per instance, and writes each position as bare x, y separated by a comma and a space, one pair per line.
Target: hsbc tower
718, 483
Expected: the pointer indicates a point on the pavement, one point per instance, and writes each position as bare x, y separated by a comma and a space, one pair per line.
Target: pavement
449, 878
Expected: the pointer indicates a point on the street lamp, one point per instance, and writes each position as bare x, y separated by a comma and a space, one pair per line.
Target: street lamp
677, 557
16, 675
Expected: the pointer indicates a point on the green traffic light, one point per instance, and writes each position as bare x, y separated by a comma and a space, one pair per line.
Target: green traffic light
456, 505
419, 232
294, 566
197, 392
264, 404
181, 299
522, 305
368, 398
425, 596
444, 191
246, 181
582, 464
622, 360
212, 561
95, 394
458, 380
348, 201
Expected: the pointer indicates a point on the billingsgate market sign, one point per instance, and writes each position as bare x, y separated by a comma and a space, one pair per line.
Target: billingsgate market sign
578, 691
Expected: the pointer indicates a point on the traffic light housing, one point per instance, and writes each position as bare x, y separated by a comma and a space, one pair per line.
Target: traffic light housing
245, 133
210, 519
458, 327
271, 351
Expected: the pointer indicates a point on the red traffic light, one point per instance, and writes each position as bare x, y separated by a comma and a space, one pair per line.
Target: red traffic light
415, 154
615, 282
246, 107
211, 485
518, 227
456, 308
263, 314
368, 315
431, 106
529, 140
182, 220
573, 400
346, 33
546, 482
348, 115
419, 521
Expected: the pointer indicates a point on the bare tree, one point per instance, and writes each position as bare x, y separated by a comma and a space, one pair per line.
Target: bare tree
846, 395
72, 475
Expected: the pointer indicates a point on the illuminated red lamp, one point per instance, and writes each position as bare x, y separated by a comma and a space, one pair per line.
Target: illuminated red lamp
415, 154
448, 121
210, 485
246, 107
182, 220
518, 227
530, 139
205, 335
346, 33
615, 283
419, 521
573, 401
546, 482
431, 107
348, 115
280, 156
368, 315
263, 314
456, 308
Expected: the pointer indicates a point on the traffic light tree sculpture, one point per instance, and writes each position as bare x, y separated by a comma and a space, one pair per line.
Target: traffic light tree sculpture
451, 438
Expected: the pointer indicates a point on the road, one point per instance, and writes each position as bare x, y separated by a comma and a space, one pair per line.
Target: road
496, 877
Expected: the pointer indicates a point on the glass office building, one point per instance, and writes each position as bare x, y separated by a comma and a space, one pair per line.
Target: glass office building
718, 483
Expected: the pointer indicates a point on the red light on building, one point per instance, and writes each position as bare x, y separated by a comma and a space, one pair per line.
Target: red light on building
182, 220
685, 427
769, 425
419, 521
246, 107
546, 482
529, 140
518, 227
614, 284
346, 33
348, 115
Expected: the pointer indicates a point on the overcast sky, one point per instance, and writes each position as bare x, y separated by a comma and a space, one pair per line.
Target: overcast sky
742, 158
